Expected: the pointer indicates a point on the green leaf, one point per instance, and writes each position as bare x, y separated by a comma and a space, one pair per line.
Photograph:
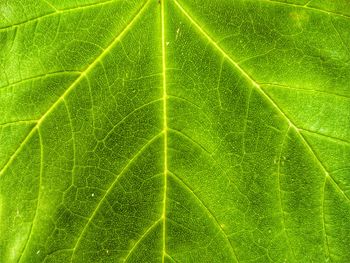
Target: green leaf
174, 131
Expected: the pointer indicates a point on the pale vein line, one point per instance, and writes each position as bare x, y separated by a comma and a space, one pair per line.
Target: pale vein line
257, 86
38, 197
209, 213
306, 90
75, 83
123, 171
165, 128
12, 44
335, 139
92, 102
19, 122
51, 5
264, 94
59, 11
280, 189
129, 114
141, 238
73, 139
307, 8
219, 81
324, 220
39, 77
246, 122
325, 171
307, 3
170, 257
180, 133
340, 37
53, 253
202, 147
184, 100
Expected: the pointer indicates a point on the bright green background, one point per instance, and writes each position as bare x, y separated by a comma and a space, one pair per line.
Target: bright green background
174, 131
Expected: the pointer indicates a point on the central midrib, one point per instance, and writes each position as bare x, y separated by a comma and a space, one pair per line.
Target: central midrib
165, 126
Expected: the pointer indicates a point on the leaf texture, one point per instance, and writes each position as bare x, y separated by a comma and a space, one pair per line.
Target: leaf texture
174, 131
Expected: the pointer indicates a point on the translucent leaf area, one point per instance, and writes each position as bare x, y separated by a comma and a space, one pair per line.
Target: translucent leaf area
174, 131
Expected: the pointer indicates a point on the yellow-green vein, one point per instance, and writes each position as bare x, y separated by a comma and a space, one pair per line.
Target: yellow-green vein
123, 171
165, 127
148, 230
264, 94
208, 211
75, 83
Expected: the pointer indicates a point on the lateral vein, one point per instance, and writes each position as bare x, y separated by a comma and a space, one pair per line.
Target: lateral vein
74, 84
207, 211
307, 7
110, 188
265, 95
55, 12
273, 103
142, 237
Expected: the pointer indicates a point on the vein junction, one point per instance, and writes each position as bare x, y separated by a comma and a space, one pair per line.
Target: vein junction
266, 96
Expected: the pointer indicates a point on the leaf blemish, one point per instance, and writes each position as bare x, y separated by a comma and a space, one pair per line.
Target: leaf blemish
299, 18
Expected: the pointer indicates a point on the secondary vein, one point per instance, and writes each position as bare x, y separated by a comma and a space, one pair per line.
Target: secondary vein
55, 12
82, 75
272, 102
266, 96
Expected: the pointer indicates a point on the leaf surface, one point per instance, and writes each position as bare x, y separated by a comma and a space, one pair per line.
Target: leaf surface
174, 131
